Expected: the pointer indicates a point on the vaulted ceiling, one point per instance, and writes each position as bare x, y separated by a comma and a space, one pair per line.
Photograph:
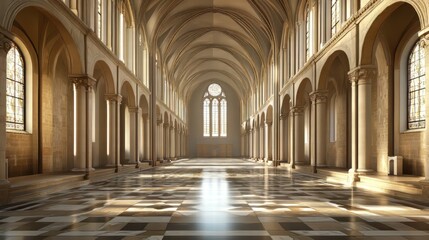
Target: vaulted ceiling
221, 40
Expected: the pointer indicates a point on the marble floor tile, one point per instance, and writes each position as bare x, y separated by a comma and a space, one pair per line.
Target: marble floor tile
216, 199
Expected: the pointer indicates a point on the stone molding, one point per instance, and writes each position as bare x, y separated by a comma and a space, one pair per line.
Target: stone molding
362, 75
83, 80
297, 110
5, 43
114, 98
319, 96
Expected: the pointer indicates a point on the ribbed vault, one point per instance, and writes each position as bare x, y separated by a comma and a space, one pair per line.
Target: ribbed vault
221, 40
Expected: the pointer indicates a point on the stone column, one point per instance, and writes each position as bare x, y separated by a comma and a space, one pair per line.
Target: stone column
362, 76
292, 130
353, 176
298, 115
318, 99
83, 159
165, 142
261, 141
160, 133
134, 113
5, 45
114, 105
282, 138
172, 143
249, 150
269, 147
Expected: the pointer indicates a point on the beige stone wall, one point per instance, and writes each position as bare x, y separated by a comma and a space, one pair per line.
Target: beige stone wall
412, 150
19, 153
214, 150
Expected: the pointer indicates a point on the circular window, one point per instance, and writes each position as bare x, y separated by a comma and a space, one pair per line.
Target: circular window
215, 90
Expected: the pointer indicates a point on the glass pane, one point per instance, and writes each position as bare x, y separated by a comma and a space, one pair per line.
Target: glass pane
15, 90
223, 118
214, 89
206, 113
215, 118
416, 88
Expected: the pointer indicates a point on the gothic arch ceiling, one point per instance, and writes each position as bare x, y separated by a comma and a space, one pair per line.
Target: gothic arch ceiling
218, 40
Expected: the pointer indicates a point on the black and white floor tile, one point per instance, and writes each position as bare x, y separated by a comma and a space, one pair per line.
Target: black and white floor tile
216, 199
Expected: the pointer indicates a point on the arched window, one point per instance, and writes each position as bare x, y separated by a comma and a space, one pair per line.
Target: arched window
15, 90
223, 108
335, 16
214, 112
308, 31
416, 88
100, 19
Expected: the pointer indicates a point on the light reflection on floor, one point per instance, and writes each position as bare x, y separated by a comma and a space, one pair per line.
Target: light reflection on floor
216, 199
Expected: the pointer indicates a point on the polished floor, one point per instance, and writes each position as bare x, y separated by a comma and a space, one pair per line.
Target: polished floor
216, 199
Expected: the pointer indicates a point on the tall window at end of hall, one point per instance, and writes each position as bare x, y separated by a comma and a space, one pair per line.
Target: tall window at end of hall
214, 112
15, 90
416, 88
335, 16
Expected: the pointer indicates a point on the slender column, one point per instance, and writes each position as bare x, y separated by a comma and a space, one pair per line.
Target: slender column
292, 133
73, 6
261, 141
353, 176
133, 134
160, 128
83, 160
114, 153
165, 142
298, 115
172, 143
363, 76
282, 149
269, 148
5, 45
249, 142
318, 99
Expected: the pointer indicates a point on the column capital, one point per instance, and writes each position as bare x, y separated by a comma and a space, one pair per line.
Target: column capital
297, 110
83, 80
269, 123
5, 43
283, 116
363, 74
133, 109
424, 38
166, 125
319, 96
114, 98
159, 121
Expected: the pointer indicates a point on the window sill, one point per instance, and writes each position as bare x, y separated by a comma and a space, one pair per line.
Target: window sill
414, 131
17, 132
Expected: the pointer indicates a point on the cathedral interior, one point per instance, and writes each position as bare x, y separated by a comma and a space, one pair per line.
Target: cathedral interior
214, 119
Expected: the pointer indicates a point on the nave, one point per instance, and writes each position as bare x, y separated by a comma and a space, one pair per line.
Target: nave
215, 199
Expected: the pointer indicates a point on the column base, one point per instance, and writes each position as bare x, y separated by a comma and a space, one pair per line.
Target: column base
353, 177
365, 171
81, 169
425, 187
4, 191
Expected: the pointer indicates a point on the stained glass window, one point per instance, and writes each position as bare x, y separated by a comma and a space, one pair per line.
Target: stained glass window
206, 110
215, 118
215, 90
214, 112
416, 88
223, 118
15, 90
335, 16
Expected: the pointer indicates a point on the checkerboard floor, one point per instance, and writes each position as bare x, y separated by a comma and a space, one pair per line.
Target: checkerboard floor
216, 199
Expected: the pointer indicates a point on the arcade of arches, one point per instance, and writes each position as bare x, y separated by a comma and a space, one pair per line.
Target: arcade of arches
103, 84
